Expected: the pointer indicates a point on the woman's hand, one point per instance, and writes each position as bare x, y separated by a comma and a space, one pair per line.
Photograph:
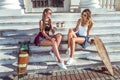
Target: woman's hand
53, 39
53, 31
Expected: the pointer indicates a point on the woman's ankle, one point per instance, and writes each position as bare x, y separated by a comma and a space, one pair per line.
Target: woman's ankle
59, 60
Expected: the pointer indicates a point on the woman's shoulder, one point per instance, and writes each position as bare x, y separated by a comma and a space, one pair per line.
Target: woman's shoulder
91, 21
41, 21
79, 20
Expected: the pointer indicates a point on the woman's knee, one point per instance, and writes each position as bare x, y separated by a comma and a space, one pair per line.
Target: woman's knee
73, 40
70, 30
59, 35
54, 43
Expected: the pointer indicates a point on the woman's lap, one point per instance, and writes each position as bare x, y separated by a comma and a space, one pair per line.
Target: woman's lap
45, 42
85, 42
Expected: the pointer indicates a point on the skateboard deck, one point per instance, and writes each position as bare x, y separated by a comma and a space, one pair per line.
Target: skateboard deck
23, 58
103, 54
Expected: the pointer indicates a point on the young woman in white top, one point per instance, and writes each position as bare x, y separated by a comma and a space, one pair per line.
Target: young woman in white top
79, 34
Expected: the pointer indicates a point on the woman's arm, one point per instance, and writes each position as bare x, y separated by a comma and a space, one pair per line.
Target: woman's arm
52, 29
77, 25
43, 30
89, 27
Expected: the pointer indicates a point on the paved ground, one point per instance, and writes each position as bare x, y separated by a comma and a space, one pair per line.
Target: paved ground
92, 73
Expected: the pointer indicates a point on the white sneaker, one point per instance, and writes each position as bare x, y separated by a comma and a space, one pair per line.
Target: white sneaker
62, 65
53, 55
68, 51
70, 61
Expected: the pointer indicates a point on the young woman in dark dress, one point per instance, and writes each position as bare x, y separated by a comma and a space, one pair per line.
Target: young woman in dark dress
45, 39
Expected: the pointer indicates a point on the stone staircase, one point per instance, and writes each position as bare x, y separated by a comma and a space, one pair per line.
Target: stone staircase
24, 27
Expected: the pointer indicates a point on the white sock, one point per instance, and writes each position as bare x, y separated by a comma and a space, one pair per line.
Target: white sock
68, 48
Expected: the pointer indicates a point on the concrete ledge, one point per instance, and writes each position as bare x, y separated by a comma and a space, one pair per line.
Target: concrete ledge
9, 12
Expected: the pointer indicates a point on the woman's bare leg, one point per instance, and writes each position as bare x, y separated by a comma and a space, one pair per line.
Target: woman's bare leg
54, 48
75, 40
72, 48
71, 34
71, 43
58, 38
69, 37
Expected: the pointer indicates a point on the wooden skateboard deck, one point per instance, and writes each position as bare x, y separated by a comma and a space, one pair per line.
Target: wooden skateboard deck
23, 58
103, 54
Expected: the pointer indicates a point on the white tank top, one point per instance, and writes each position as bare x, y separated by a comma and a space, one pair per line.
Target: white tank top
82, 30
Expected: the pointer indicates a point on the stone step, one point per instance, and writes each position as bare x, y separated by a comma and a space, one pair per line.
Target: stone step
14, 32
30, 21
56, 15
10, 38
106, 24
13, 37
11, 12
65, 20
14, 50
51, 65
32, 26
68, 24
55, 19
19, 32
11, 51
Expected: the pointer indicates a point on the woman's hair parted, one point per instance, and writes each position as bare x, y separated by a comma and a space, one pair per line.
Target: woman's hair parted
45, 10
43, 15
88, 12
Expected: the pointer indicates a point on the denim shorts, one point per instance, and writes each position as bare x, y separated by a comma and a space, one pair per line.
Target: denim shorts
85, 44
40, 40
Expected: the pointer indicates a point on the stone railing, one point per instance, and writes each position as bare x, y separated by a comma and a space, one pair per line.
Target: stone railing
105, 4
109, 4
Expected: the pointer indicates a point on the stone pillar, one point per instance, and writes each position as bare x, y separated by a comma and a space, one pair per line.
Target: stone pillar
117, 5
74, 5
21, 4
11, 7
91, 4
10, 4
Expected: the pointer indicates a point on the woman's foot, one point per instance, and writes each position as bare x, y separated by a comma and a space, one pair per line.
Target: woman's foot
62, 65
70, 61
68, 51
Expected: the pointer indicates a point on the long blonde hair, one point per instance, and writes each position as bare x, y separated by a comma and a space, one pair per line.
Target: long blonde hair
88, 12
43, 15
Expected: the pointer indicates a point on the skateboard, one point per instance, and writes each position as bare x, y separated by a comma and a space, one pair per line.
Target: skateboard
23, 58
103, 54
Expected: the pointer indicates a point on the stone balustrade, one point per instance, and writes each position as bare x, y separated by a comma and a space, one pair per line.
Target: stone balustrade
67, 5
103, 4
110, 4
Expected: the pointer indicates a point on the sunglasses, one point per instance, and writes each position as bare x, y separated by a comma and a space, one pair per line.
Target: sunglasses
84, 15
50, 13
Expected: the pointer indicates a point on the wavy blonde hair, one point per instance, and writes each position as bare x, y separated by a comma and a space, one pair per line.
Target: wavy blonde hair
88, 12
